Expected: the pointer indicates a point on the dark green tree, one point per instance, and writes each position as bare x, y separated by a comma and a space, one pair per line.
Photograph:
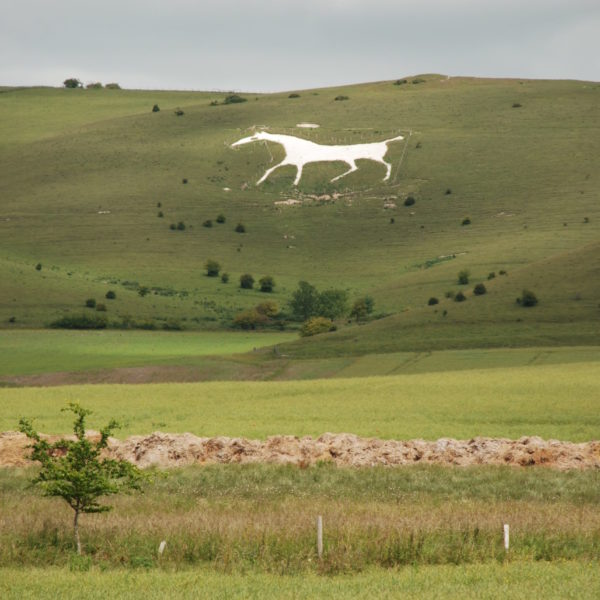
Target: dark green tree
333, 303
246, 281
212, 268
266, 283
305, 301
72, 83
75, 470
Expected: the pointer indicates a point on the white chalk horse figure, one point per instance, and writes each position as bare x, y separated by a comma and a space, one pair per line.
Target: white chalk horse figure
299, 152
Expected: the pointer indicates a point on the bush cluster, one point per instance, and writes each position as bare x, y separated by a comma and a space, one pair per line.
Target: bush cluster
246, 281
91, 321
234, 99
316, 325
362, 308
212, 268
528, 298
266, 283
308, 302
261, 315
463, 277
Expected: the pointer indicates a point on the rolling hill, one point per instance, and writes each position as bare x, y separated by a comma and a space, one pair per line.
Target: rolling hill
86, 173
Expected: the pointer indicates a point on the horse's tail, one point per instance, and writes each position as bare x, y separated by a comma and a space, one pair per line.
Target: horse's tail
394, 139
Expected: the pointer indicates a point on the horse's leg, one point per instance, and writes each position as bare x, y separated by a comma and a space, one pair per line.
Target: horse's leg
268, 172
388, 166
353, 168
299, 173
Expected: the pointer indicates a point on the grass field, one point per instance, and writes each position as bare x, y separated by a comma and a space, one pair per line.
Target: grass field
570, 579
551, 401
261, 519
54, 357
28, 352
83, 172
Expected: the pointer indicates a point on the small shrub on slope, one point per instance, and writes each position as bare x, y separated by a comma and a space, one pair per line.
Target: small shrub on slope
528, 298
317, 325
246, 281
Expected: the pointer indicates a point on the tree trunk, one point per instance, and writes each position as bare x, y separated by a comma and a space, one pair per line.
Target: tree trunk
76, 529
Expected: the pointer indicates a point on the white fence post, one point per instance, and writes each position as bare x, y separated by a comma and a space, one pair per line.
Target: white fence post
161, 548
320, 536
506, 537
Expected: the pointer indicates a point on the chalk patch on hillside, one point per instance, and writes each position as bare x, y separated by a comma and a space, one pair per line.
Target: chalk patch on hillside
307, 125
299, 152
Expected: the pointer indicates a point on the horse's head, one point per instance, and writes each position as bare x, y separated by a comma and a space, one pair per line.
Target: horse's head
259, 135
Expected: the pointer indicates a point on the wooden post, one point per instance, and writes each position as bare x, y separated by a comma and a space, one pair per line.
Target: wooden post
161, 548
320, 536
506, 537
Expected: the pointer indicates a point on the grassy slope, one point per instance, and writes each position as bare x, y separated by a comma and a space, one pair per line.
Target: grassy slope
552, 401
520, 174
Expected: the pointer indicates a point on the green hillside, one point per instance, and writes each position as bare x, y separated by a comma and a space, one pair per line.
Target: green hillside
83, 173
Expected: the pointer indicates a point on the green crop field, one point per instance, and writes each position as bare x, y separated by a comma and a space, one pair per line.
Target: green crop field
552, 401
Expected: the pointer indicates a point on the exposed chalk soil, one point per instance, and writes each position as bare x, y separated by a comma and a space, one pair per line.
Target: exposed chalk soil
343, 449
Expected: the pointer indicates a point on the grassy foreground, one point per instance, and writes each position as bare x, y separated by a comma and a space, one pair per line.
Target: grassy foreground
552, 401
245, 518
514, 580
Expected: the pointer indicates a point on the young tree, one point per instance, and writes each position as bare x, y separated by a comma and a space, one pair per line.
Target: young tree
246, 281
362, 307
75, 470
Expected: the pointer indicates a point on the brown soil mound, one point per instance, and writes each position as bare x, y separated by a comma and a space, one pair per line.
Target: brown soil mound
344, 449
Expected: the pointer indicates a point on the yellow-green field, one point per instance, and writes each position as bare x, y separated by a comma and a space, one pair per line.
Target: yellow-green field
551, 401
520, 581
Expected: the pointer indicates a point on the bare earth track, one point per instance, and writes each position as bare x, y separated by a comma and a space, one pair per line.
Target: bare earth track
343, 449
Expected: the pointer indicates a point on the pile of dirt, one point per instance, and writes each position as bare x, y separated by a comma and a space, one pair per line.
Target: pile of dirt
343, 449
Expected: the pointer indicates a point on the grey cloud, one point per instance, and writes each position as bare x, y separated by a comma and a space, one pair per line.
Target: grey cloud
274, 45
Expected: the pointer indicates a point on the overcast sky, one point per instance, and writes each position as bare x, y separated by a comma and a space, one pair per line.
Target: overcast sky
271, 45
